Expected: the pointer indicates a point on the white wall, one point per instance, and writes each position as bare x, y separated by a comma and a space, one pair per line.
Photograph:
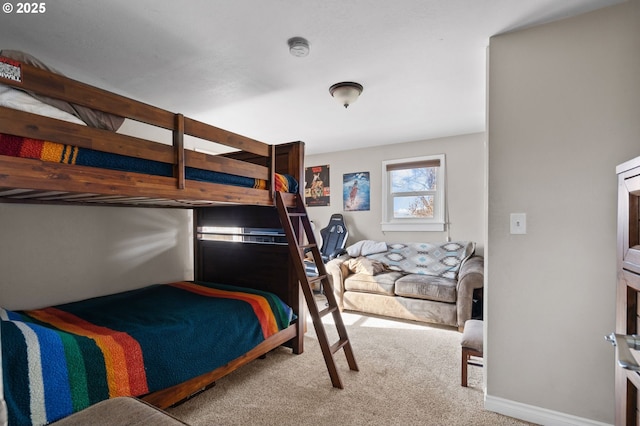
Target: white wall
465, 172
564, 110
57, 254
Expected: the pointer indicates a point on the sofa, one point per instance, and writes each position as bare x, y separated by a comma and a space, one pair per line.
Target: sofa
427, 282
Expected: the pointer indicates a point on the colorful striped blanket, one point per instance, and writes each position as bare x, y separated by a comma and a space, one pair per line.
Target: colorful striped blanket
16, 146
59, 360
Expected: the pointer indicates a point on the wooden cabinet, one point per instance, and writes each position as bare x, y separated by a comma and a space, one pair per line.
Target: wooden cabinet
628, 286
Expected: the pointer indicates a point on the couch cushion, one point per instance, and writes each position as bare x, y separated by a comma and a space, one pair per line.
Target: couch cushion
381, 283
402, 307
472, 335
427, 287
442, 260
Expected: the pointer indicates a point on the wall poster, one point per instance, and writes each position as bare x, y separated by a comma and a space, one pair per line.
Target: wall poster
316, 187
356, 191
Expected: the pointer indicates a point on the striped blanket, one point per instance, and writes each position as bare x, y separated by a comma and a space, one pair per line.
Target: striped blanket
16, 146
61, 359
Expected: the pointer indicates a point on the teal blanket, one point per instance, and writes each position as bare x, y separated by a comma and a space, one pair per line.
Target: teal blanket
62, 359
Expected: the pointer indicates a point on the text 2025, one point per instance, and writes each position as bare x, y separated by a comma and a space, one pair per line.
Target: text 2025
31, 7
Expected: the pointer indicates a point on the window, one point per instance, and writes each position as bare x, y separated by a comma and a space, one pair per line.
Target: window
413, 195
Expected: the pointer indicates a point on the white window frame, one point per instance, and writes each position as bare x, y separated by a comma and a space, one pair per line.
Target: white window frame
437, 223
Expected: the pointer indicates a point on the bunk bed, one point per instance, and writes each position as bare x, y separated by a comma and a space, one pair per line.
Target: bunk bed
61, 160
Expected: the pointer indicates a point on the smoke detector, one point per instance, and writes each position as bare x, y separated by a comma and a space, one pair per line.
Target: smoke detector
298, 47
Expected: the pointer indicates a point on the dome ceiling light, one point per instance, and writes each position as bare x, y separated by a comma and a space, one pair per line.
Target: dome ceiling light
346, 92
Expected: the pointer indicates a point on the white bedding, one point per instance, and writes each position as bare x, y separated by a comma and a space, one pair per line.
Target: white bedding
22, 101
11, 97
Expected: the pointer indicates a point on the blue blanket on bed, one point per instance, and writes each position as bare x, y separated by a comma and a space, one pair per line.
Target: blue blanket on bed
62, 359
68, 154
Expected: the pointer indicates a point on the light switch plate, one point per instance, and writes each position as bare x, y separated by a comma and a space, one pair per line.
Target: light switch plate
518, 223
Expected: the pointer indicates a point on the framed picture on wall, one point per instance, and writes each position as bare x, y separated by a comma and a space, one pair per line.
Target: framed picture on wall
316, 186
356, 193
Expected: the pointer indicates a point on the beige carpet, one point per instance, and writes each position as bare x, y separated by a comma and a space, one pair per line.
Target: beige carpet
409, 375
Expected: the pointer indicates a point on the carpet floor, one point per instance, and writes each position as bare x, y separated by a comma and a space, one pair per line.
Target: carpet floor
409, 375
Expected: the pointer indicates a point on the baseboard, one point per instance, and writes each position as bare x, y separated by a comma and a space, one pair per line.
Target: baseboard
536, 415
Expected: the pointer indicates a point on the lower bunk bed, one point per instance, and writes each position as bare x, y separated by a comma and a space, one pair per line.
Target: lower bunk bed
161, 343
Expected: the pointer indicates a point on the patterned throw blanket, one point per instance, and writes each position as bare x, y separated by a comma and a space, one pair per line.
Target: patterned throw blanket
16, 146
439, 260
62, 359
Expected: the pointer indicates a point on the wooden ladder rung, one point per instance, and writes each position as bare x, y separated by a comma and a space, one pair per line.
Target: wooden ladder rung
327, 311
318, 279
339, 345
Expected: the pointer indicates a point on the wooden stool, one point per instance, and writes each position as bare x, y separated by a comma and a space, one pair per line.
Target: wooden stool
471, 346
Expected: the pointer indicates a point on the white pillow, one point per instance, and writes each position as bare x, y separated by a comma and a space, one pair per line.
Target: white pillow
366, 247
22, 101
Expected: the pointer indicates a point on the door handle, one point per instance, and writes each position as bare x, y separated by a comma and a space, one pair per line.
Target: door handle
625, 343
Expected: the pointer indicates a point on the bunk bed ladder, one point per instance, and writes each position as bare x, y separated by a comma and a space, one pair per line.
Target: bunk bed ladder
297, 251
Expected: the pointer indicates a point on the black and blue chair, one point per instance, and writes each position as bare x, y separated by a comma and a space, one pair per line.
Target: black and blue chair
334, 239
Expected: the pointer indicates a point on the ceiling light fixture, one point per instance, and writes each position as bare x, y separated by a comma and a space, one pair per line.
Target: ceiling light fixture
298, 46
346, 92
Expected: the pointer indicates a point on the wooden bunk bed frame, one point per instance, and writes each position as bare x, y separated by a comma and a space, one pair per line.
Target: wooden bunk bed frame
25, 180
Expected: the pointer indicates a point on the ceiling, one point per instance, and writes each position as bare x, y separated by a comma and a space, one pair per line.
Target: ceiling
421, 62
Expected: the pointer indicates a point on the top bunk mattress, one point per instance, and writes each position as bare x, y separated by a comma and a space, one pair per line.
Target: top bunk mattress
16, 146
